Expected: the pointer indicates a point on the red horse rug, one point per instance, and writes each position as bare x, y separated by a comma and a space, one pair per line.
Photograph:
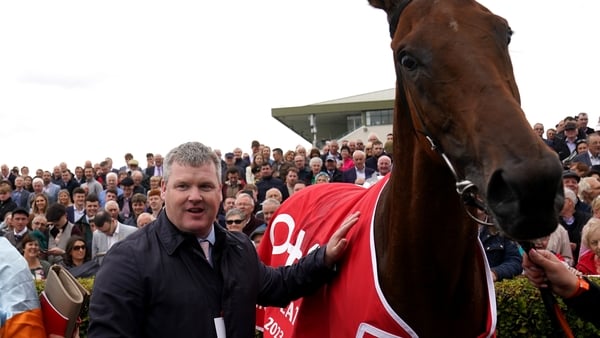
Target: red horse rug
353, 304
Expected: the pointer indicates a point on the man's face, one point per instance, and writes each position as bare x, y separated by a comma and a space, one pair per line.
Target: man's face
330, 164
106, 228
91, 208
571, 183
137, 178
384, 165
89, 173
266, 171
229, 204
5, 170
4, 195
155, 202
582, 121
538, 129
113, 210
79, 199
571, 133
19, 181
19, 222
299, 161
38, 187
274, 194
158, 160
127, 190
47, 177
245, 204
359, 161
233, 177
193, 196
333, 147
111, 181
56, 171
268, 211
377, 149
594, 145
111, 196
237, 153
65, 176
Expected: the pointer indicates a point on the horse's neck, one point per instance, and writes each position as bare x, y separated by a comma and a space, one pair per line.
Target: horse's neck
426, 248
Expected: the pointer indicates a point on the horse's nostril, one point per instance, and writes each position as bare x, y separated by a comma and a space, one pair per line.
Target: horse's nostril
500, 194
520, 205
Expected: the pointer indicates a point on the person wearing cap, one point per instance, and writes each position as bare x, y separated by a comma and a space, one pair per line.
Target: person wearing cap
124, 200
566, 146
59, 231
331, 168
257, 235
230, 163
571, 181
20, 218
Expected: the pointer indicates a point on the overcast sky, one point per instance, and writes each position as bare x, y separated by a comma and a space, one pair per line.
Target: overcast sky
85, 80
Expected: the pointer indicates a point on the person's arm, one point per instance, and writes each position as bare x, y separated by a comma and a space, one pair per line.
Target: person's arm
116, 305
545, 270
279, 286
511, 264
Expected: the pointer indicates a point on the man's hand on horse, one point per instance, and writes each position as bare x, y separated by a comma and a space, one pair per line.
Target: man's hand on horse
338, 242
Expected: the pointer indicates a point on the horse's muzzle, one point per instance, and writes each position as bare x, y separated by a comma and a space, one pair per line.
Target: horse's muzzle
526, 199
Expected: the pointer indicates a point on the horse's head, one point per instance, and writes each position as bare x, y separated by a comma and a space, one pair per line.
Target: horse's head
455, 85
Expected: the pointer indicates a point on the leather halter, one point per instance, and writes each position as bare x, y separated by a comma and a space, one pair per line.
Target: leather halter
466, 189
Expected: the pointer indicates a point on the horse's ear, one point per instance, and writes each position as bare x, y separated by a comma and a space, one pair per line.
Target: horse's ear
381, 4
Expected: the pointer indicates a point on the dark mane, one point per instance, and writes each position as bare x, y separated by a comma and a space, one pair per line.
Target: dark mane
395, 16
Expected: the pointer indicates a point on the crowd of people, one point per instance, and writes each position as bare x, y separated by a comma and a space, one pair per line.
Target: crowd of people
74, 217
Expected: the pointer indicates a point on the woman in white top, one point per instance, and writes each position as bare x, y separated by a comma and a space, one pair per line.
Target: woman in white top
257, 161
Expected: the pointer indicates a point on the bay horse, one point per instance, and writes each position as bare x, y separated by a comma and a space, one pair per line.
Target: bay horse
458, 126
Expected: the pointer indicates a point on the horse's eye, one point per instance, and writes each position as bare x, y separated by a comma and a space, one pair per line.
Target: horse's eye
408, 62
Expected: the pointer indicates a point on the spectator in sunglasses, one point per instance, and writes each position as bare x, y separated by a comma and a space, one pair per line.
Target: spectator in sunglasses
235, 219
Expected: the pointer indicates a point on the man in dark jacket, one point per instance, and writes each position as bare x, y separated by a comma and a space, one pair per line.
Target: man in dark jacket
502, 254
185, 276
267, 181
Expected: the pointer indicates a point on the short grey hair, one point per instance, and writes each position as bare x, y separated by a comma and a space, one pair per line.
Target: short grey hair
315, 160
193, 154
271, 201
234, 212
571, 195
